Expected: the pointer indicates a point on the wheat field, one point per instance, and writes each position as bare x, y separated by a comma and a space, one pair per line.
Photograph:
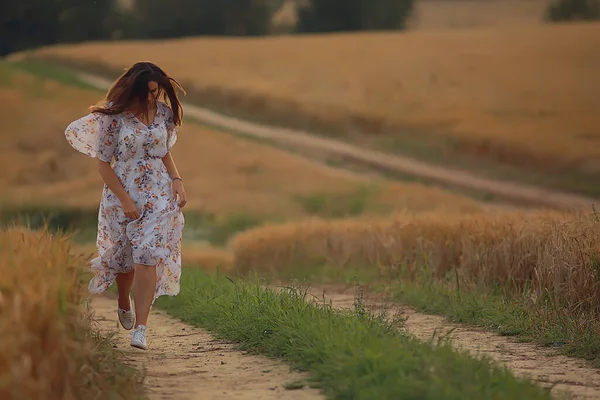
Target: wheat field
525, 94
223, 173
49, 348
540, 252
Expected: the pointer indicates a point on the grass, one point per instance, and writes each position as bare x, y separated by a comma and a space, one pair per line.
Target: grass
439, 95
351, 355
40, 68
49, 346
543, 265
493, 309
82, 223
338, 206
510, 315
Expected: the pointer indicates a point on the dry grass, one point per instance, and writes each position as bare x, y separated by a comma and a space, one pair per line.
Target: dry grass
556, 254
524, 95
48, 350
224, 173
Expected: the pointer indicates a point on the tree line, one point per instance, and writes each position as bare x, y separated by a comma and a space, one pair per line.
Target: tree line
26, 24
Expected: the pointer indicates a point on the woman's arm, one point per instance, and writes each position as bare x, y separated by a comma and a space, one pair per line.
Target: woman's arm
178, 188
112, 181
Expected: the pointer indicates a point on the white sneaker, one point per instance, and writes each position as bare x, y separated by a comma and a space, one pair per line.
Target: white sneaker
127, 317
138, 337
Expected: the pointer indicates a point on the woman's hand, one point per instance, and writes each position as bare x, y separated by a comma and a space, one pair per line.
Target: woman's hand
130, 209
179, 192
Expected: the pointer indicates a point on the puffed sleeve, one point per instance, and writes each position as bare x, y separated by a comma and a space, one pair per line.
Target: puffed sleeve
95, 135
171, 129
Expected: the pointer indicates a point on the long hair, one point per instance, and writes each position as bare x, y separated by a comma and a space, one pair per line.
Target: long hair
131, 90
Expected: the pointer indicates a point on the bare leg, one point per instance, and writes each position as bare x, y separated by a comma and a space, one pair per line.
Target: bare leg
144, 284
124, 282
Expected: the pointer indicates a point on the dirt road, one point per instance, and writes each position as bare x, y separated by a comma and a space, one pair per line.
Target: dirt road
307, 142
566, 374
187, 363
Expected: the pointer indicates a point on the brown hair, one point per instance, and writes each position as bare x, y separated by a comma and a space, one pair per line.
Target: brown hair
131, 89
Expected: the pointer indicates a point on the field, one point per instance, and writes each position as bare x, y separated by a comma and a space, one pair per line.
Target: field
48, 341
533, 275
480, 85
516, 102
225, 174
49, 185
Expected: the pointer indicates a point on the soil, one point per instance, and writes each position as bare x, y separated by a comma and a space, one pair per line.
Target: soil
186, 363
570, 377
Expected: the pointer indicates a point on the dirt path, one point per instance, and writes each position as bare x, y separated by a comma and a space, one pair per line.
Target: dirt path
568, 375
186, 363
306, 141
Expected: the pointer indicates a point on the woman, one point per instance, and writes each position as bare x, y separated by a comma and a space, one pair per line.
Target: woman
140, 221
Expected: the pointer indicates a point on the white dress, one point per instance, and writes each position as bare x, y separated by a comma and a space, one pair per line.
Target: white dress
154, 238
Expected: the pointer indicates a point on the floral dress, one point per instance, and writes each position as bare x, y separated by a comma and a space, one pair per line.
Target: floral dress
155, 238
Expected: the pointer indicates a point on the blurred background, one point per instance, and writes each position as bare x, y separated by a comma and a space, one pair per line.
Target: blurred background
426, 149
498, 89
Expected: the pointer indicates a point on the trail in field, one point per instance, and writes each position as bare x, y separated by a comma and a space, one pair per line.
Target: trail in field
310, 143
187, 363
569, 376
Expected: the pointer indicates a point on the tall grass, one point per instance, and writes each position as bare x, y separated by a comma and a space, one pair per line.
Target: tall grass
549, 262
48, 347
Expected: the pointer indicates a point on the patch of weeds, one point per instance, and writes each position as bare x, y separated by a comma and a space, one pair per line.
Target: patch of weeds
349, 353
574, 334
81, 222
339, 205
223, 228
49, 70
295, 385
542, 323
6, 74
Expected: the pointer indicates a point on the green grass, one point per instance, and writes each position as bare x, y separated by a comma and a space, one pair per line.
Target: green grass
82, 224
350, 354
48, 70
544, 323
122, 382
340, 205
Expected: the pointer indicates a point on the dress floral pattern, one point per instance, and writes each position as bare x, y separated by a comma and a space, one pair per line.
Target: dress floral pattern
154, 238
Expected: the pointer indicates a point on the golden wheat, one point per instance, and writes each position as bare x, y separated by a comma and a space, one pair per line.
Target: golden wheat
525, 94
555, 253
224, 173
48, 349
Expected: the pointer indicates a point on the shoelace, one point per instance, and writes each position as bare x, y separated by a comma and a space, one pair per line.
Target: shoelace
136, 333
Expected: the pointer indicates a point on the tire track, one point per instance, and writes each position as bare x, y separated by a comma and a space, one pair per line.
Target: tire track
186, 363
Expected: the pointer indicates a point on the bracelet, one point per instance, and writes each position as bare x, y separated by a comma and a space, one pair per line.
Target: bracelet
178, 178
